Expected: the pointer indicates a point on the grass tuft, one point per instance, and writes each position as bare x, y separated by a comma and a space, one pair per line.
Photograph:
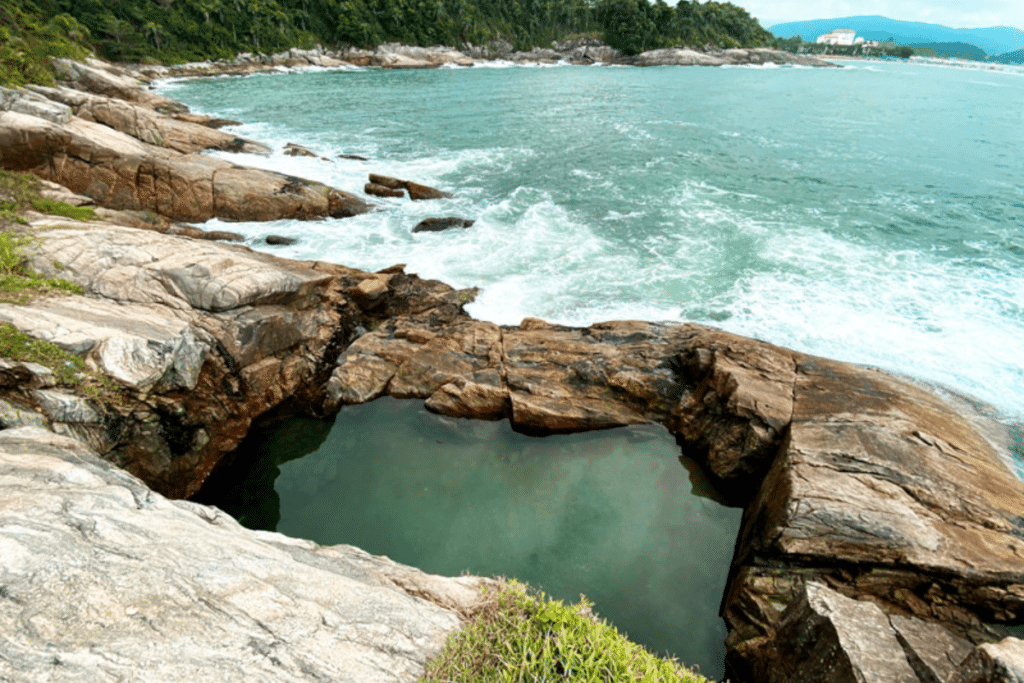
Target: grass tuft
19, 284
67, 368
55, 208
522, 636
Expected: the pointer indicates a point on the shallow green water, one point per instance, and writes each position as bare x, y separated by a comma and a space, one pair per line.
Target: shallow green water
610, 514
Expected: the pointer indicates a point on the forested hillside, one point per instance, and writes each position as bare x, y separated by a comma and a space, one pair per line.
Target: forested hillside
173, 31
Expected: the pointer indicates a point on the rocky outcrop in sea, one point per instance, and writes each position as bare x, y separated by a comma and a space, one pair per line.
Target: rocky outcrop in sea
883, 536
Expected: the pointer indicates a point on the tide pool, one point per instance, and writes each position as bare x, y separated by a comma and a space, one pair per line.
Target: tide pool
616, 515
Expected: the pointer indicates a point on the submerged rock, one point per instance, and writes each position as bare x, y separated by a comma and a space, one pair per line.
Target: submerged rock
441, 224
382, 191
293, 150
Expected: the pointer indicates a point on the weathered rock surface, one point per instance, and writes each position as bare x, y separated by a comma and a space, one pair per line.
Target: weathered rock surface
128, 149
27, 102
1001, 662
100, 78
382, 191
121, 172
398, 56
147, 125
882, 537
200, 338
102, 579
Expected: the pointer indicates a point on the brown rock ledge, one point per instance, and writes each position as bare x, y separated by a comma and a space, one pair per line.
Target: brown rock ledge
106, 137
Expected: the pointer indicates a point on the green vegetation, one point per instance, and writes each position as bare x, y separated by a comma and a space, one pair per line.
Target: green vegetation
19, 192
29, 36
20, 284
55, 208
67, 368
519, 636
635, 26
174, 31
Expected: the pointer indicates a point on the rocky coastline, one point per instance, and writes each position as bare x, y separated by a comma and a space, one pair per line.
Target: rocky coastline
883, 535
583, 51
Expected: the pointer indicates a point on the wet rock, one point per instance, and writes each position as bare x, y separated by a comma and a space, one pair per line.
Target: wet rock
293, 150
345, 205
279, 240
440, 224
419, 192
353, 157
416, 191
387, 181
382, 191
224, 236
104, 578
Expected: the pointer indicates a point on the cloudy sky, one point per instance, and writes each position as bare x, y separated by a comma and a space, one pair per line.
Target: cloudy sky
953, 13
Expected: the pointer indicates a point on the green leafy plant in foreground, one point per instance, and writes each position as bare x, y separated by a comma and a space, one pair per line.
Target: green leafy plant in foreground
522, 636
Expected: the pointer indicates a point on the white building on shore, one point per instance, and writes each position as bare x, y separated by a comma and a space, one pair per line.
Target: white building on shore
846, 37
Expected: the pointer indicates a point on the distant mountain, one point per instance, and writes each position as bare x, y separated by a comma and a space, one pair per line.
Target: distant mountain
1015, 57
996, 40
949, 50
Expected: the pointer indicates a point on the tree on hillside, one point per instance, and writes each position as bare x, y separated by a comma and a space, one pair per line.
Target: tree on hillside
628, 25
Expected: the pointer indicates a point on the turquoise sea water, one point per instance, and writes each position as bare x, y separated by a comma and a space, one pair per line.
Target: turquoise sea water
873, 213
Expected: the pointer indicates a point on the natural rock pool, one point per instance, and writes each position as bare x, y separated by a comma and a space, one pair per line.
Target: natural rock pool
616, 515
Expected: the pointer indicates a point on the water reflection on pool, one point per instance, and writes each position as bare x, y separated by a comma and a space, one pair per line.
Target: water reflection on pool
611, 514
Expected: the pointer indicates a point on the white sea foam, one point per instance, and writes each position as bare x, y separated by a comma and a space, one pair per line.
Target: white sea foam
681, 223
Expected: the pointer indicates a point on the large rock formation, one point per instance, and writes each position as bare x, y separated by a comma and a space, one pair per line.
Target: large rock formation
104, 580
852, 479
111, 140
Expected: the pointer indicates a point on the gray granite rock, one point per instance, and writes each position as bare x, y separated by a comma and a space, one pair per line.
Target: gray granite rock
105, 580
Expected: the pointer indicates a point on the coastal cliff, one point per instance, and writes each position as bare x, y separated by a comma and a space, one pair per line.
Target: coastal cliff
882, 533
